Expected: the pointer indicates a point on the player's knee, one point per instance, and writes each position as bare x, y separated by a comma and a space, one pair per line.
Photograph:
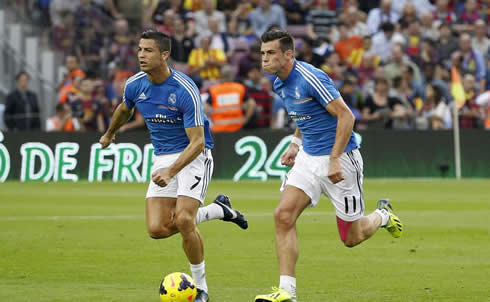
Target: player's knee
184, 221
350, 243
283, 218
352, 240
158, 231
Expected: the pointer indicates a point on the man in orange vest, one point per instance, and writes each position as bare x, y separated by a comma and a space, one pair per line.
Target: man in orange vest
63, 120
225, 104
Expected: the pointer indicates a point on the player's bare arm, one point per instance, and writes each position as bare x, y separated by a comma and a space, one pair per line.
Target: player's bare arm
196, 145
345, 124
288, 157
120, 117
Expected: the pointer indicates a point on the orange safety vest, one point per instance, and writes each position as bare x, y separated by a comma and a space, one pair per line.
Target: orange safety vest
68, 127
226, 103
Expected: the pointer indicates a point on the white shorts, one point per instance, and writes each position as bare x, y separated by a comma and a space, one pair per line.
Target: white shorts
310, 174
191, 181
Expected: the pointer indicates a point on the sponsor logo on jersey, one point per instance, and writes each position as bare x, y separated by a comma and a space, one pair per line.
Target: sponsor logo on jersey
172, 99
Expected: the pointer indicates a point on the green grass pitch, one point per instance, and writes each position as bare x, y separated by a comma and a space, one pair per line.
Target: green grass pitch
88, 242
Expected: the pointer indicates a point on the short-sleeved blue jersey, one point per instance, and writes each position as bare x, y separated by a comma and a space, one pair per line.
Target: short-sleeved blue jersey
306, 92
168, 108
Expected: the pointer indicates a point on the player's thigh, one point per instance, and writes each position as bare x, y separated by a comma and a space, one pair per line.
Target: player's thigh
303, 177
292, 203
347, 195
160, 212
193, 180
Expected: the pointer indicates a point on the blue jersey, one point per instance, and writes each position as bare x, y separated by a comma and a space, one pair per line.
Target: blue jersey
306, 92
168, 108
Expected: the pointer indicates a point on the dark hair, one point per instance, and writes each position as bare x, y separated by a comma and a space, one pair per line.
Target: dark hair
387, 27
285, 39
60, 107
381, 81
21, 73
163, 40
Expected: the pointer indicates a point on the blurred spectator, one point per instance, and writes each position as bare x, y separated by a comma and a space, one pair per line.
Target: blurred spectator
382, 41
381, 15
123, 47
332, 66
420, 5
321, 23
430, 76
167, 22
240, 24
427, 26
263, 99
381, 110
219, 40
409, 15
306, 54
468, 16
60, 8
350, 97
443, 14
280, 118
483, 100
202, 17
87, 15
473, 61
428, 53
434, 114
480, 41
369, 63
132, 12
205, 63
251, 59
414, 40
402, 90
347, 44
64, 33
68, 93
293, 10
228, 104
182, 44
72, 66
21, 107
470, 115
447, 43
89, 49
397, 63
86, 108
62, 121
179, 11
227, 6
265, 15
409, 87
355, 27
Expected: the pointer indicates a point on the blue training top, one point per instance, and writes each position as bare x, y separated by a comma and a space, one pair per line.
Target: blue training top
168, 108
306, 92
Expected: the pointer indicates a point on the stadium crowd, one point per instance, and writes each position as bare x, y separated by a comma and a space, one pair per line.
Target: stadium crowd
392, 60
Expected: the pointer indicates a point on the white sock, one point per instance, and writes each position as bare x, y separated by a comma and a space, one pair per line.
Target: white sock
384, 216
288, 283
209, 212
199, 276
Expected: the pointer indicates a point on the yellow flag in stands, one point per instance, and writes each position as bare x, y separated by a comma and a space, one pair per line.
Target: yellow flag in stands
457, 88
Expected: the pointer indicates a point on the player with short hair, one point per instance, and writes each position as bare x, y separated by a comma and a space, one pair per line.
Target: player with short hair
171, 106
325, 158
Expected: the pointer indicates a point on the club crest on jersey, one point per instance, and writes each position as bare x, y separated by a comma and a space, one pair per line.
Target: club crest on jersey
296, 93
172, 99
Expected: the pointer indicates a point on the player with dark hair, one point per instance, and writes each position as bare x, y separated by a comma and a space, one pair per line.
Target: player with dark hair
325, 158
171, 105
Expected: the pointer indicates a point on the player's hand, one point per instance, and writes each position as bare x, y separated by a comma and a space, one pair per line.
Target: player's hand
287, 158
335, 171
106, 140
161, 177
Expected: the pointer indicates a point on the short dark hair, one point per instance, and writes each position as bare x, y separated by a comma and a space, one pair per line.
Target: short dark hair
285, 39
60, 107
21, 73
163, 40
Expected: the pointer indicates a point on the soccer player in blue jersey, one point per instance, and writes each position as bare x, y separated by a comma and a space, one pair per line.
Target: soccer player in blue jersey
171, 106
324, 157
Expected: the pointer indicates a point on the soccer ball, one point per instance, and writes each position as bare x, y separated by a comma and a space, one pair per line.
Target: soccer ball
178, 287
